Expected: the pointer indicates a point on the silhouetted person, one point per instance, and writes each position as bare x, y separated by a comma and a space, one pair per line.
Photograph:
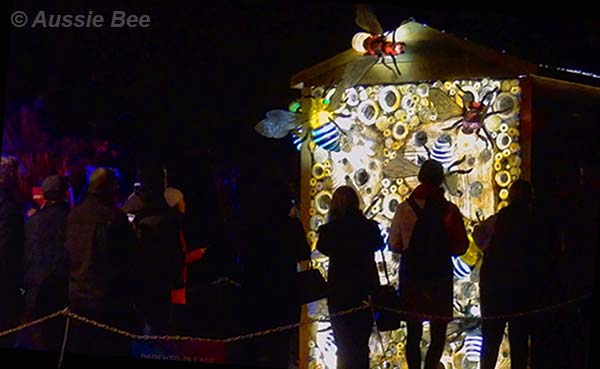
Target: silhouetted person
272, 243
161, 258
101, 249
46, 266
11, 247
516, 276
350, 240
427, 230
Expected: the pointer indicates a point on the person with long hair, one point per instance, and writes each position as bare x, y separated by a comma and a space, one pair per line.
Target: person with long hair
350, 240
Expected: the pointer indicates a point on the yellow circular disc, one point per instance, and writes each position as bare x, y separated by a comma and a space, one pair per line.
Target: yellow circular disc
399, 131
506, 153
327, 163
386, 162
318, 171
386, 182
387, 133
327, 172
512, 131
400, 115
403, 189
313, 182
503, 178
503, 127
312, 145
393, 188
501, 205
313, 191
507, 167
399, 181
503, 194
515, 90
386, 152
493, 123
393, 154
396, 145
319, 186
505, 86
447, 85
382, 124
514, 147
514, 171
385, 191
424, 101
312, 211
498, 156
497, 166
513, 160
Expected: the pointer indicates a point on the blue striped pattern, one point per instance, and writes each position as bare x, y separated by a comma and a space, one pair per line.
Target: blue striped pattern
327, 136
461, 269
473, 347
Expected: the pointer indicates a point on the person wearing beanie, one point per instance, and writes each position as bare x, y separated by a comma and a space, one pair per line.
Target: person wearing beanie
45, 267
427, 230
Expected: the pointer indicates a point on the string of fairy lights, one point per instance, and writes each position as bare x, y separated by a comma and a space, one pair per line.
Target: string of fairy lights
570, 70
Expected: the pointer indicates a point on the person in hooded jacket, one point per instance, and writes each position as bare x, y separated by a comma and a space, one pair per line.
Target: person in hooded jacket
427, 224
161, 258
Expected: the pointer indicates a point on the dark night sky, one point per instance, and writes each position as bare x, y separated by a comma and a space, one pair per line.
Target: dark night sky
201, 76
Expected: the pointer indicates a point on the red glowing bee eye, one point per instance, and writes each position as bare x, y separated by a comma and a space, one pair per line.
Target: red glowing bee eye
476, 105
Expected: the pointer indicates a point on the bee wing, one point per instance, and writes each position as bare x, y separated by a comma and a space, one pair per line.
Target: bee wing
353, 73
366, 20
278, 123
271, 129
446, 107
400, 167
284, 118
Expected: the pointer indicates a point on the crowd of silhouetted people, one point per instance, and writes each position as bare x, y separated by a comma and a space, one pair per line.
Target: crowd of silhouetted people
128, 266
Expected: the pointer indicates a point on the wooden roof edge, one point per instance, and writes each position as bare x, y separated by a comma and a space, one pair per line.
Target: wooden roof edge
335, 61
588, 89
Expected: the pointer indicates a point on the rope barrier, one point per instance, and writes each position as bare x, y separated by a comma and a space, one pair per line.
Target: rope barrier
33, 322
66, 312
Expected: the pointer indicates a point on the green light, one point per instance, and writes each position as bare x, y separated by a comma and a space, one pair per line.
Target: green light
326, 101
294, 106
